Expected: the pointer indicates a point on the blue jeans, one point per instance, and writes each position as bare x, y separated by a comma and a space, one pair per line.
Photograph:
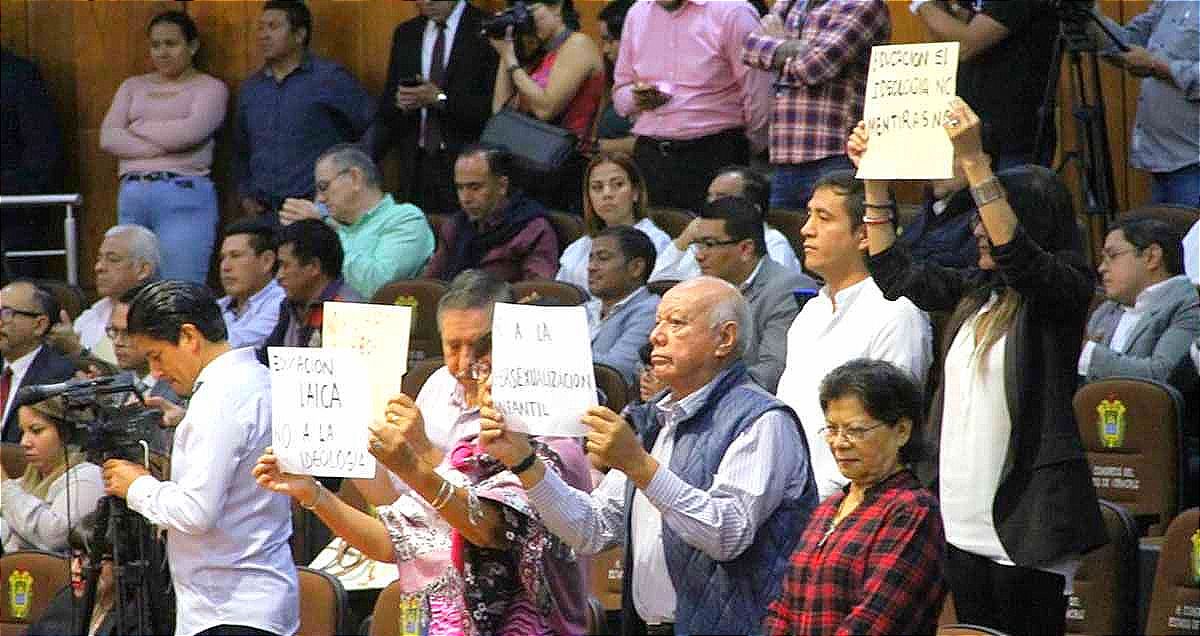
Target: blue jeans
183, 213
1181, 187
792, 185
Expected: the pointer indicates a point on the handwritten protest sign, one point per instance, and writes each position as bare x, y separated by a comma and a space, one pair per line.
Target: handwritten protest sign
542, 377
320, 403
381, 333
909, 88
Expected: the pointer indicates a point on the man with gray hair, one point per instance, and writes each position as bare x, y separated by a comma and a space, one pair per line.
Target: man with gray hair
710, 479
128, 256
383, 240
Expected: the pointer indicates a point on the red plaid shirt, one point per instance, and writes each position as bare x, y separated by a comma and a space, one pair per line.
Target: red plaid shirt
819, 95
880, 571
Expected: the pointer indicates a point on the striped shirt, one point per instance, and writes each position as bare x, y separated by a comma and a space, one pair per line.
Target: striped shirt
819, 92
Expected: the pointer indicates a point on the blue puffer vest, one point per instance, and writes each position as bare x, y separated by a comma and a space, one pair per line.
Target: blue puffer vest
713, 597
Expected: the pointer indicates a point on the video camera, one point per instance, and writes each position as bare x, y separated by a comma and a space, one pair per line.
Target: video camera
518, 16
107, 425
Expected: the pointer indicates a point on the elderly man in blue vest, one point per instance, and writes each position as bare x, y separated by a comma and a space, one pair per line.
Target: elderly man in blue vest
710, 493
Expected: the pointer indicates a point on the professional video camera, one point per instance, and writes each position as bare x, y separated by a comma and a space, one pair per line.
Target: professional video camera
518, 16
108, 425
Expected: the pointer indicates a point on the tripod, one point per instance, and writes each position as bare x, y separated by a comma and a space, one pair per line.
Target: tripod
141, 603
1092, 150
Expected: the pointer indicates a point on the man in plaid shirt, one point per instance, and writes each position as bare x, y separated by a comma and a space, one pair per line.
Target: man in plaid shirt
820, 51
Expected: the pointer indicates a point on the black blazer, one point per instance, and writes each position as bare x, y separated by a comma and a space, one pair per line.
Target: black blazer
469, 84
49, 366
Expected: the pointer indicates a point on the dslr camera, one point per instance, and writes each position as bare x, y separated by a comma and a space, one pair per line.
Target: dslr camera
518, 16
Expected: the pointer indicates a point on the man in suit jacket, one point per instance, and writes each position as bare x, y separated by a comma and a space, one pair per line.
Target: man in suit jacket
26, 314
1152, 311
621, 260
430, 111
730, 245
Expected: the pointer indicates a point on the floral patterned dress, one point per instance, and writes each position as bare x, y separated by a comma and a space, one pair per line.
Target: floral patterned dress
535, 585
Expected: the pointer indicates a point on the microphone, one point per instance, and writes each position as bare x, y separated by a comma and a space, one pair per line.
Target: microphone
35, 393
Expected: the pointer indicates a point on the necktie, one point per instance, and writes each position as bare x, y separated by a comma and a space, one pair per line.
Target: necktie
431, 133
5, 387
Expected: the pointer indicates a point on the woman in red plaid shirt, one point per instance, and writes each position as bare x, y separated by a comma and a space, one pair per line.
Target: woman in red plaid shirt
871, 560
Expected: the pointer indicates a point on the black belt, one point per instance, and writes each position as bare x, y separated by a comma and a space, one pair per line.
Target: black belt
668, 146
150, 176
661, 629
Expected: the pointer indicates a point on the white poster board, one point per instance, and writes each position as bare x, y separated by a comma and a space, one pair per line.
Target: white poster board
320, 407
542, 376
380, 333
909, 88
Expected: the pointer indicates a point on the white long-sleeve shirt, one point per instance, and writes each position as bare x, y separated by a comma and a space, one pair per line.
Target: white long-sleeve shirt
856, 323
676, 264
227, 538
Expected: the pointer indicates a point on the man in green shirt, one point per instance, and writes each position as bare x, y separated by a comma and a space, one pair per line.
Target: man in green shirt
383, 240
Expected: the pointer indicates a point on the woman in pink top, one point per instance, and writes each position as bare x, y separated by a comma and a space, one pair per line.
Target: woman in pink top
560, 80
160, 127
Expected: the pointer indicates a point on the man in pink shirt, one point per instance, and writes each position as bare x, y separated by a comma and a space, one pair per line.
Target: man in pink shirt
696, 107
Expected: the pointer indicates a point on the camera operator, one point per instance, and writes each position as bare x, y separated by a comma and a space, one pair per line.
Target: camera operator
227, 539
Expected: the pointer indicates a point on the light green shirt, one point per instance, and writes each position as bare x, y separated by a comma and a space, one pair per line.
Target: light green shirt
391, 242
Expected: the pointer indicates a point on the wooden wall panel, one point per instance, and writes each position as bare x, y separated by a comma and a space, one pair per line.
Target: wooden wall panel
85, 49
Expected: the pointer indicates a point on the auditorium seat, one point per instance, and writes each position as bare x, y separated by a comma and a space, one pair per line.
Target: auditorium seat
422, 294
13, 457
607, 573
671, 220
385, 619
1105, 596
789, 222
418, 373
29, 579
567, 228
323, 603
965, 629
1130, 428
612, 384
1175, 604
661, 287
550, 292
437, 222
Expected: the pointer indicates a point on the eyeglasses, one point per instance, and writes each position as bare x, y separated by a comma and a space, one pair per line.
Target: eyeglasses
1108, 256
709, 243
7, 313
116, 335
322, 186
851, 433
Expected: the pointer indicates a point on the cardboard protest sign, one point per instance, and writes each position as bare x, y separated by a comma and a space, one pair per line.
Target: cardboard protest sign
542, 376
320, 403
380, 333
909, 88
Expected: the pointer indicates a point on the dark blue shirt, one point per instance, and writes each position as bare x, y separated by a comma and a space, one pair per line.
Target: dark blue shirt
282, 127
29, 136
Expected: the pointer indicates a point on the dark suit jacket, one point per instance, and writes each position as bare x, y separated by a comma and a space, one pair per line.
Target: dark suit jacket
49, 366
773, 308
470, 78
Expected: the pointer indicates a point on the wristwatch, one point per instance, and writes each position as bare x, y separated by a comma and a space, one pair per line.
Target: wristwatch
987, 191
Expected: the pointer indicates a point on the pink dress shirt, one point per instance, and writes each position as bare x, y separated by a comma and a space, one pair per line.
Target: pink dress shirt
695, 54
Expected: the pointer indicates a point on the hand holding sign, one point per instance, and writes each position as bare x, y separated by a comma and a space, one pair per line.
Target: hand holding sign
267, 473
400, 441
964, 131
611, 441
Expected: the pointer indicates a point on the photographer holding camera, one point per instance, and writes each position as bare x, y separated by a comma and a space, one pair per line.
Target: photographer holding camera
227, 539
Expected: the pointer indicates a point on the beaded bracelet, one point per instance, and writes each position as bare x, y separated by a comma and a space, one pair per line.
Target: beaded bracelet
444, 494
